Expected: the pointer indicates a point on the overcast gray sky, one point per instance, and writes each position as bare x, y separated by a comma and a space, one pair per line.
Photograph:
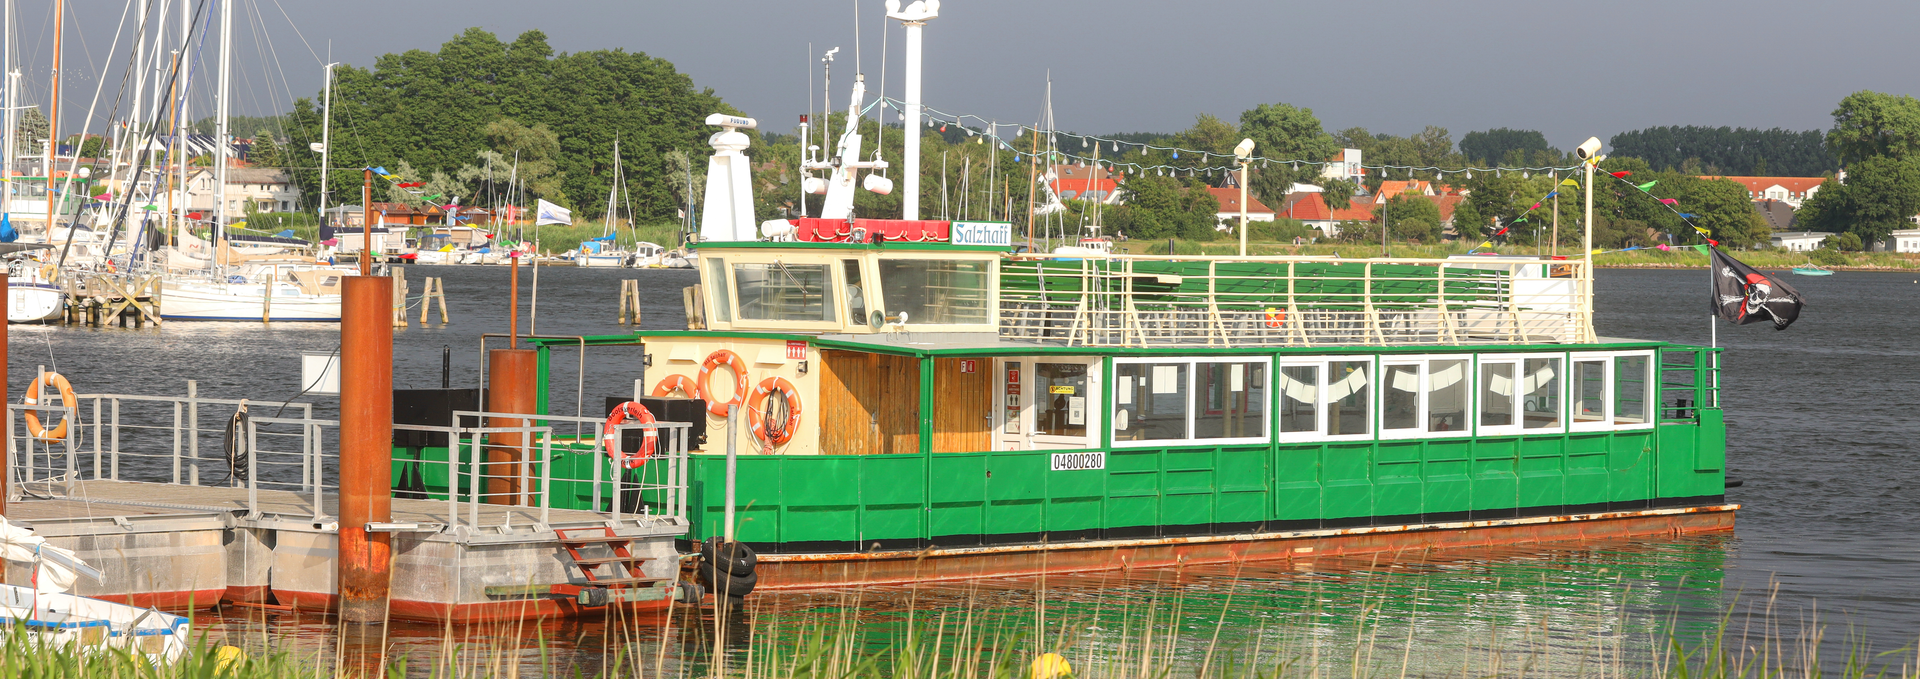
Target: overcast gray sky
1567, 69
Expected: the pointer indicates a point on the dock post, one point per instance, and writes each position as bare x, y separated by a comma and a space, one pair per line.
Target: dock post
366, 448
733, 461
512, 376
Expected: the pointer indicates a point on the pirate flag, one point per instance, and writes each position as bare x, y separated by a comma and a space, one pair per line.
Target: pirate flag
1744, 295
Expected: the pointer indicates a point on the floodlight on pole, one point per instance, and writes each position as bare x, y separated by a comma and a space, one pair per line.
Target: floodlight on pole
1242, 153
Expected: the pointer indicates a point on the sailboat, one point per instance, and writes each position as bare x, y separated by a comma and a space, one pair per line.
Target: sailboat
602, 251
237, 285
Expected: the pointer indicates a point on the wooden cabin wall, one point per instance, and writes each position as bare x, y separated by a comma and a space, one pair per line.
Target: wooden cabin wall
962, 406
869, 403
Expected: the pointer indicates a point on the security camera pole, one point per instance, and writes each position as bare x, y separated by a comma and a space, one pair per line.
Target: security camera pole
1243, 152
913, 18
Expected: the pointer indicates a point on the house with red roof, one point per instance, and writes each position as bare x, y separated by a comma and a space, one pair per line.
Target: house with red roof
1790, 190
1089, 182
1229, 200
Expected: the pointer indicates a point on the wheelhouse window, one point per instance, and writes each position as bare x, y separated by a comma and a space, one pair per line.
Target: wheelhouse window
856, 295
716, 286
1150, 402
784, 292
1348, 398
1631, 389
936, 291
1191, 400
1540, 389
1231, 401
1299, 399
1064, 392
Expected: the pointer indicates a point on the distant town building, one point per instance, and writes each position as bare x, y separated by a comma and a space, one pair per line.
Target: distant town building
1229, 200
1800, 241
1777, 213
1088, 182
1790, 190
1904, 240
1345, 165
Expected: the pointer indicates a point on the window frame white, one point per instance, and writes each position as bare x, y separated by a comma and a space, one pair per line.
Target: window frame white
1572, 401
1193, 395
1424, 408
1321, 405
1651, 399
1519, 426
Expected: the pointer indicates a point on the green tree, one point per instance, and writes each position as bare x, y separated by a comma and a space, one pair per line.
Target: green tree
1868, 124
1494, 146
1164, 207
265, 151
1288, 132
31, 129
1736, 151
1881, 194
1410, 217
535, 155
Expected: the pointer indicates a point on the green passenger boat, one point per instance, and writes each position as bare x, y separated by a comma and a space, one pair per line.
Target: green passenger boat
912, 409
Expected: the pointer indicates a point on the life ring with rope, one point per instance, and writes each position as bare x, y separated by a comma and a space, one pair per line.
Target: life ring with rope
648, 437
1276, 317
48, 272
58, 382
703, 381
757, 419
679, 383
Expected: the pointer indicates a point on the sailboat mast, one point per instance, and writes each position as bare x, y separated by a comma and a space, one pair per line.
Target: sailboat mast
53, 125
6, 68
180, 118
613, 187
326, 140
222, 109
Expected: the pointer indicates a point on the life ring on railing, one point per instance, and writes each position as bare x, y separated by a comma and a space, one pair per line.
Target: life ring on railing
757, 408
55, 380
714, 360
611, 436
679, 383
48, 272
1276, 317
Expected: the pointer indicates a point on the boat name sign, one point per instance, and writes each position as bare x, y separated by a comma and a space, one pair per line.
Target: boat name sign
1063, 462
982, 233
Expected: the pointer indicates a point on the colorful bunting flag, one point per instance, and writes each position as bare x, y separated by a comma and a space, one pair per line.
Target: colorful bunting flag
1486, 244
1569, 182
1536, 206
1622, 174
1649, 185
1689, 215
1703, 232
1669, 201
380, 171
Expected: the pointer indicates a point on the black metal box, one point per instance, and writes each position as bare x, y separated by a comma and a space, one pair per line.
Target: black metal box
431, 407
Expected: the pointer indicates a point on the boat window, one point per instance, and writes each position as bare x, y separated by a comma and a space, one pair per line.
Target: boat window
1496, 394
783, 292
1231, 401
856, 295
1063, 386
1447, 395
1630, 389
1347, 398
1299, 398
716, 286
1150, 402
935, 292
1400, 402
1541, 389
1590, 391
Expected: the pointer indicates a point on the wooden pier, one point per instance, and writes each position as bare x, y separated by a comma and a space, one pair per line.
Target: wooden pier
104, 299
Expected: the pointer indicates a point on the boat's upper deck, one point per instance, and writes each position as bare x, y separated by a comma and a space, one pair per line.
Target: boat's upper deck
930, 284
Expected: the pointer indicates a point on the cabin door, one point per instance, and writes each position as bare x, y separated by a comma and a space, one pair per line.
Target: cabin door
1048, 403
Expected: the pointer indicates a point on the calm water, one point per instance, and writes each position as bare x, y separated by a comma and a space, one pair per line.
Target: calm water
1819, 432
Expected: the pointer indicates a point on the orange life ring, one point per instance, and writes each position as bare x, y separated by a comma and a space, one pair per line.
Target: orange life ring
679, 383
757, 407
1276, 317
714, 360
55, 380
611, 436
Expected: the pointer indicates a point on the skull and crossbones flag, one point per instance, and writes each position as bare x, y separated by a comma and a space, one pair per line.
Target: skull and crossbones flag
1744, 295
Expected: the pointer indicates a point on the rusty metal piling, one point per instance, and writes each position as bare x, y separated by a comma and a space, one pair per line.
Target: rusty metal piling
366, 448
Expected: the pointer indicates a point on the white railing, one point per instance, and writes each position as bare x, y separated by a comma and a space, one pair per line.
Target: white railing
156, 439
1137, 301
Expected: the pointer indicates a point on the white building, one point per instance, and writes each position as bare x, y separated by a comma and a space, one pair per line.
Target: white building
1790, 190
265, 190
1904, 240
1345, 165
1800, 241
